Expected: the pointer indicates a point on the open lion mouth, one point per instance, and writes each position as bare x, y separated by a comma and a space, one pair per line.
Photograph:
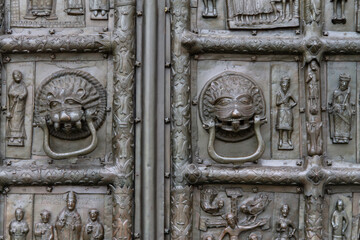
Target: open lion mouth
68, 126
234, 125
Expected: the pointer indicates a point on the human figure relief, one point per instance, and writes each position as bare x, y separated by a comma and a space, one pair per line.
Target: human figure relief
291, 10
313, 130
336, 17
18, 228
234, 230
17, 94
285, 119
207, 13
41, 8
94, 229
68, 223
285, 228
339, 222
44, 230
341, 111
75, 7
312, 81
99, 9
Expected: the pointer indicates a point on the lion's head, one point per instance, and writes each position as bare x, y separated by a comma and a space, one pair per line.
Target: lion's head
64, 101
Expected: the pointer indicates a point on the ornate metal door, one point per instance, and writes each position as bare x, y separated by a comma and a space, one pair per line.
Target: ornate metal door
180, 119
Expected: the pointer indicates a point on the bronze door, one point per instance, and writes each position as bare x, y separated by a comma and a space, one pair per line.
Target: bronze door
179, 119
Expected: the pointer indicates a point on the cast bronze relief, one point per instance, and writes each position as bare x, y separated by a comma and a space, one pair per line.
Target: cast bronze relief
210, 10
284, 227
18, 228
70, 105
68, 223
232, 108
262, 14
339, 221
44, 230
339, 11
41, 8
285, 101
341, 111
75, 7
17, 95
94, 229
99, 9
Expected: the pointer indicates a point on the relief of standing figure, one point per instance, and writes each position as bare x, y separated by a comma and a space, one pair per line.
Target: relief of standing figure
285, 119
207, 13
17, 93
94, 230
336, 18
75, 7
68, 223
18, 228
339, 221
99, 9
341, 111
284, 226
44, 230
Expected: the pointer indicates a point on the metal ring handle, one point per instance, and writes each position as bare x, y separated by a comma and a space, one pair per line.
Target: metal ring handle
238, 160
88, 149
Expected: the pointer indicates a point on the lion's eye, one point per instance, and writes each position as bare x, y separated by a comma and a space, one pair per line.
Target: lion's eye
54, 104
245, 100
223, 101
71, 101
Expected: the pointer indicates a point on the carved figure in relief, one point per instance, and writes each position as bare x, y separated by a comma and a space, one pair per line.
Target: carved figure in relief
41, 8
207, 13
339, 221
94, 229
290, 15
336, 17
285, 228
313, 87
254, 207
234, 230
285, 119
207, 201
341, 111
18, 228
44, 230
75, 7
68, 223
313, 11
99, 9
313, 130
122, 218
17, 94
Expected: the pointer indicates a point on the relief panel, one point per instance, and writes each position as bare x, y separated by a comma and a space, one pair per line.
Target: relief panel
61, 143
341, 98
63, 213
248, 212
54, 13
340, 15
235, 120
19, 111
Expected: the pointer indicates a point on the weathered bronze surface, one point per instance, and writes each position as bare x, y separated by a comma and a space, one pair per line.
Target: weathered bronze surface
263, 114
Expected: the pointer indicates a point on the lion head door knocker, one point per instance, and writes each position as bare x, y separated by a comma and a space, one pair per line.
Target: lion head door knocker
232, 109
70, 105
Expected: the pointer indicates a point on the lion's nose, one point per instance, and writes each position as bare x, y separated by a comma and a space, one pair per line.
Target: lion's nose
235, 114
64, 117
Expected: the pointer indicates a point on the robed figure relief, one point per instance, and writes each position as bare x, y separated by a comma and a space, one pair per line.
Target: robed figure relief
44, 230
17, 94
93, 230
341, 111
285, 118
339, 222
75, 7
285, 228
338, 11
99, 9
41, 8
68, 223
18, 228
